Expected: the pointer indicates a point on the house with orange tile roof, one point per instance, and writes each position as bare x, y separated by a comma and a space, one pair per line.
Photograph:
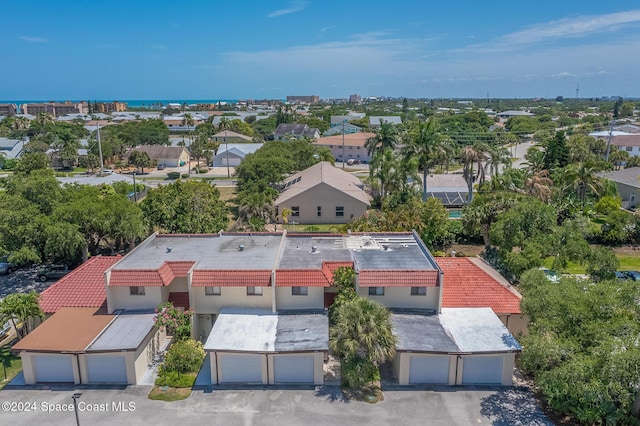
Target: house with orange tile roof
352, 149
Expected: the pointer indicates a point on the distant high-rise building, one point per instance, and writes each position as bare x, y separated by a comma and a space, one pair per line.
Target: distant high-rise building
55, 108
8, 110
313, 99
355, 99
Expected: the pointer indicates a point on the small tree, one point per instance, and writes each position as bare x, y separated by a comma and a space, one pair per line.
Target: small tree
23, 306
175, 321
140, 159
185, 356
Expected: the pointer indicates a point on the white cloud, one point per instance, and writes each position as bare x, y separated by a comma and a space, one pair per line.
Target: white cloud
34, 39
581, 26
294, 6
562, 74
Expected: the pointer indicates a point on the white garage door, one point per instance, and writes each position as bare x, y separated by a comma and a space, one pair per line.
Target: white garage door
293, 369
49, 368
482, 370
241, 368
106, 369
429, 369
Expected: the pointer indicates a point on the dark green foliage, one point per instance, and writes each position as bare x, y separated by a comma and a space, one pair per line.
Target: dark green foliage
185, 356
582, 346
173, 175
186, 207
174, 379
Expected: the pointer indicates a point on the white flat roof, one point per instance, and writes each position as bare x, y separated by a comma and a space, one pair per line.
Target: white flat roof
477, 330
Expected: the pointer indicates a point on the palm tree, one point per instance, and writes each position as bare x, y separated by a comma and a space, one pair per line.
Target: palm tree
583, 180
23, 306
424, 145
258, 205
618, 158
472, 170
539, 186
324, 154
20, 123
498, 156
386, 137
362, 330
382, 169
535, 160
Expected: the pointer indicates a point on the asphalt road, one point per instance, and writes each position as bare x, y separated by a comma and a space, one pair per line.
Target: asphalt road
268, 406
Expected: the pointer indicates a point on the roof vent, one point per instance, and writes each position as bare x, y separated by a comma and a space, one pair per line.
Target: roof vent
241, 247
385, 247
314, 250
169, 249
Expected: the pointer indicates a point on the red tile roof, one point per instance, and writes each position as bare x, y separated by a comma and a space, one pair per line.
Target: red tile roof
301, 278
385, 278
468, 285
163, 276
328, 268
83, 287
231, 278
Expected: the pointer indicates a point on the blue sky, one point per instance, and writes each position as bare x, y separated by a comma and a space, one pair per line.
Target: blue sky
270, 49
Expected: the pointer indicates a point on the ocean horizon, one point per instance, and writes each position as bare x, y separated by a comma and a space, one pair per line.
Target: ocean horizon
132, 103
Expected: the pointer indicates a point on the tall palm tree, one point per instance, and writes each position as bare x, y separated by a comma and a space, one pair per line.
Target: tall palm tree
23, 306
472, 169
583, 180
424, 145
324, 154
497, 156
385, 137
535, 160
20, 123
381, 169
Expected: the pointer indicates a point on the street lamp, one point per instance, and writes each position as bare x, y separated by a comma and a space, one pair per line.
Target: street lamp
75, 398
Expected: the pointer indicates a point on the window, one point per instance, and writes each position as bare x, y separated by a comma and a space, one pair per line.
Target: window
629, 148
339, 211
350, 147
319, 211
295, 211
212, 291
136, 291
376, 291
299, 291
254, 291
418, 291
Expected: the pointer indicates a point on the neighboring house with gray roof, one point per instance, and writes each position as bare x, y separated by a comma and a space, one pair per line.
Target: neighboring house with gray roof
374, 121
11, 148
228, 136
628, 183
346, 128
233, 154
514, 113
287, 131
629, 143
323, 194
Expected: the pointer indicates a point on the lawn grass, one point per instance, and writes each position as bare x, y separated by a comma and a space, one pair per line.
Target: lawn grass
321, 227
629, 263
13, 367
170, 394
227, 193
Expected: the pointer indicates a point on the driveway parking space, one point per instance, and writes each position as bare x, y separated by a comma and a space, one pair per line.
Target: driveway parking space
322, 405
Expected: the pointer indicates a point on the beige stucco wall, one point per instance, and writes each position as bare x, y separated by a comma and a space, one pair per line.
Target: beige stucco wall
29, 369
119, 298
328, 198
313, 300
230, 297
400, 297
318, 366
518, 325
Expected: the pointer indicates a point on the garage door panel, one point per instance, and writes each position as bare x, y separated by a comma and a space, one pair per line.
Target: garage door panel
293, 369
241, 369
53, 369
482, 370
429, 370
107, 369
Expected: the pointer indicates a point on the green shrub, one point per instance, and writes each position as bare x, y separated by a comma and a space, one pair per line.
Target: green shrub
203, 170
185, 175
312, 228
185, 356
173, 175
357, 372
174, 379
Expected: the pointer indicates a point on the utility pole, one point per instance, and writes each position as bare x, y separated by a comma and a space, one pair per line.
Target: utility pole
343, 159
606, 157
99, 149
227, 147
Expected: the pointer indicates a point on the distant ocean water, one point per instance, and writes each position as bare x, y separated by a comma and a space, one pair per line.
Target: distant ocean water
134, 103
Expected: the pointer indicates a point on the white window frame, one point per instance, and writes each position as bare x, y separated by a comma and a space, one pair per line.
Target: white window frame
212, 290
418, 291
139, 290
376, 291
254, 291
299, 291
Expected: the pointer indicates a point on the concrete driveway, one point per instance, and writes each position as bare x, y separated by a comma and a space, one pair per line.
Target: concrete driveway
273, 406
